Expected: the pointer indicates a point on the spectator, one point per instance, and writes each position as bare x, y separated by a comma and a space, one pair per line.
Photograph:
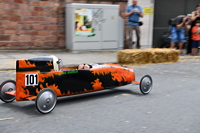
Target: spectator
177, 30
133, 12
195, 16
195, 37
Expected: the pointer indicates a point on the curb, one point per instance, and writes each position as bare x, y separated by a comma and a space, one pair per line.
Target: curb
7, 69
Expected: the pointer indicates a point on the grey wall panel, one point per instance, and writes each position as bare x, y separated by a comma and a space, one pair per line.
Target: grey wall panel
102, 32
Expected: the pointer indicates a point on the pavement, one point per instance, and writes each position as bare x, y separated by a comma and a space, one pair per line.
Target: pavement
173, 101
8, 57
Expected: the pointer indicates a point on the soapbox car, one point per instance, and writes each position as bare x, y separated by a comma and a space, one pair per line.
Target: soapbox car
42, 79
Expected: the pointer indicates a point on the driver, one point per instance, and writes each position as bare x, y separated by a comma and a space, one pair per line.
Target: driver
84, 66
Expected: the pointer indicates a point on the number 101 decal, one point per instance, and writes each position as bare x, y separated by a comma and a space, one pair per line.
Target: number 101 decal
31, 79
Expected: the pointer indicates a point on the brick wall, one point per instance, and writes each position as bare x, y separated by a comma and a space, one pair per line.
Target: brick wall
36, 24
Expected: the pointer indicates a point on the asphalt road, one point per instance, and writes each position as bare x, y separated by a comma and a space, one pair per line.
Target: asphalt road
171, 107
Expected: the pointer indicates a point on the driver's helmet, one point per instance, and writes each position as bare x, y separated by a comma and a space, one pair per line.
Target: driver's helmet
56, 63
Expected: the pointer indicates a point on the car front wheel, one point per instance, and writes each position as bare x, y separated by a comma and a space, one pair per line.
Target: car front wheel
46, 100
146, 84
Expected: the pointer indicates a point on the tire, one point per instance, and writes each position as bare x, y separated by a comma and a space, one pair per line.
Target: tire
46, 100
8, 85
146, 84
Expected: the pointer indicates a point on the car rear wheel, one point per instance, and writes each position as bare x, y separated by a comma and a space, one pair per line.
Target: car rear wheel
46, 100
6, 86
146, 84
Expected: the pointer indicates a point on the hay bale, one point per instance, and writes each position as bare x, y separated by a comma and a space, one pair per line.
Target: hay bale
134, 56
164, 55
152, 55
173, 55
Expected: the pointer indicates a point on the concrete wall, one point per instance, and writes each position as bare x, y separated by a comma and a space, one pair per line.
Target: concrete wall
36, 24
147, 27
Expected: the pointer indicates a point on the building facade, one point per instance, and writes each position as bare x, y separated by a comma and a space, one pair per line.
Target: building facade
38, 24
165, 10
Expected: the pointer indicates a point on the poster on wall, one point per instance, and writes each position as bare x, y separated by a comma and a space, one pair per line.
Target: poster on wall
148, 10
83, 22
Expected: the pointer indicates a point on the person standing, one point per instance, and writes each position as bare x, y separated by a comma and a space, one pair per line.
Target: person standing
195, 16
195, 37
133, 12
177, 30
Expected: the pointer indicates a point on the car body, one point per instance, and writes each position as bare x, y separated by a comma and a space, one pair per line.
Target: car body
42, 79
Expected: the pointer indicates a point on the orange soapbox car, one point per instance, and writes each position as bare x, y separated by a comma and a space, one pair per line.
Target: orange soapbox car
42, 79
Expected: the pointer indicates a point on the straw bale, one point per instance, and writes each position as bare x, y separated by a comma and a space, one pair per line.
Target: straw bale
163, 55
152, 55
134, 56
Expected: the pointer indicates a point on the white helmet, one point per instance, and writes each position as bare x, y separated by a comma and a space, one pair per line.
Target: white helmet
56, 63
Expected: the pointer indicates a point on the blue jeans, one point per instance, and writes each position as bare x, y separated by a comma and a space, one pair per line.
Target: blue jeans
178, 35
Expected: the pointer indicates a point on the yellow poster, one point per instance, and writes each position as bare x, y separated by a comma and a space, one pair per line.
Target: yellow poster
83, 22
148, 10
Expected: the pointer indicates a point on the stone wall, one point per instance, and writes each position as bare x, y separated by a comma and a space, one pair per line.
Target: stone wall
37, 24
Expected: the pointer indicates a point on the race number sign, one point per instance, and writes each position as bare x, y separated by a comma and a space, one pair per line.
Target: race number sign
31, 79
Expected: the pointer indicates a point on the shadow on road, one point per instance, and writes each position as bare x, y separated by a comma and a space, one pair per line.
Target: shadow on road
29, 108
23, 107
95, 95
